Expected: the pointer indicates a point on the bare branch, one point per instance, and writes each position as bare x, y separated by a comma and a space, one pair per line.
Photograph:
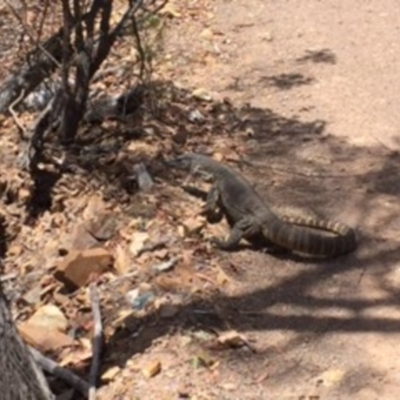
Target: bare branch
97, 341
52, 367
21, 129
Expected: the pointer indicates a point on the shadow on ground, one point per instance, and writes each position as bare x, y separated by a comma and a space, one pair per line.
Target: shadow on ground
286, 81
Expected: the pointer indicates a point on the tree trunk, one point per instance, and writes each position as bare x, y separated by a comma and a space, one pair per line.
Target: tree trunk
20, 378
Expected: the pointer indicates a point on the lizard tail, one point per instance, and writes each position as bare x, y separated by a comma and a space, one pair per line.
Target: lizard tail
312, 236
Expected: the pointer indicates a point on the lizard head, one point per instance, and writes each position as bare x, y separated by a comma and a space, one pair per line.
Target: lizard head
195, 163
184, 161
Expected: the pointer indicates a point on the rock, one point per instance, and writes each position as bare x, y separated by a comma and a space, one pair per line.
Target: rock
110, 374
143, 300
132, 295
103, 226
95, 206
331, 377
231, 339
15, 250
43, 338
196, 116
202, 359
207, 33
202, 94
82, 239
49, 316
152, 369
76, 269
144, 180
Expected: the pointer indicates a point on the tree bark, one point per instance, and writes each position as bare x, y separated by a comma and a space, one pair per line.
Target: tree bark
20, 378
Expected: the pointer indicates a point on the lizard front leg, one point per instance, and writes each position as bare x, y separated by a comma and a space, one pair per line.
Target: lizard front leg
242, 228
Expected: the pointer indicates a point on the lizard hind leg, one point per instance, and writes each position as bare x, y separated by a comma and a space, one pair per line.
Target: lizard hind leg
213, 209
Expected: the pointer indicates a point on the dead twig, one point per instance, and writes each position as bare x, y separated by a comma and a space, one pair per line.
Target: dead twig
21, 129
8, 277
31, 34
52, 367
97, 341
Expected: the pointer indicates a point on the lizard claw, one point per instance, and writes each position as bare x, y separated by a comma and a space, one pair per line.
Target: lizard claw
213, 240
216, 242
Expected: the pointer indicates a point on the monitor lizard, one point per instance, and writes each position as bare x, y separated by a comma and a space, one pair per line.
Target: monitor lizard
250, 217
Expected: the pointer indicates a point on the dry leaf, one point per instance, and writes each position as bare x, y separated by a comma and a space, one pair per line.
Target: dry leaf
75, 356
232, 338
138, 241
95, 206
193, 224
122, 261
170, 10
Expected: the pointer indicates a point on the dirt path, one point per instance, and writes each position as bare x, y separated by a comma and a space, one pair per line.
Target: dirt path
324, 76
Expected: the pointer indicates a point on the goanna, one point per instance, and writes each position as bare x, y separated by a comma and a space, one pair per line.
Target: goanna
250, 217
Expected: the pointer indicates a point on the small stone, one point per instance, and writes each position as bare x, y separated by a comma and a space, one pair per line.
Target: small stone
110, 374
15, 250
196, 116
103, 226
267, 36
81, 239
331, 377
144, 180
202, 94
207, 34
202, 359
165, 266
143, 300
49, 316
152, 369
231, 338
132, 295
24, 195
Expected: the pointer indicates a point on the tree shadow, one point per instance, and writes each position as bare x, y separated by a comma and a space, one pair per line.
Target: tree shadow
286, 81
325, 56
